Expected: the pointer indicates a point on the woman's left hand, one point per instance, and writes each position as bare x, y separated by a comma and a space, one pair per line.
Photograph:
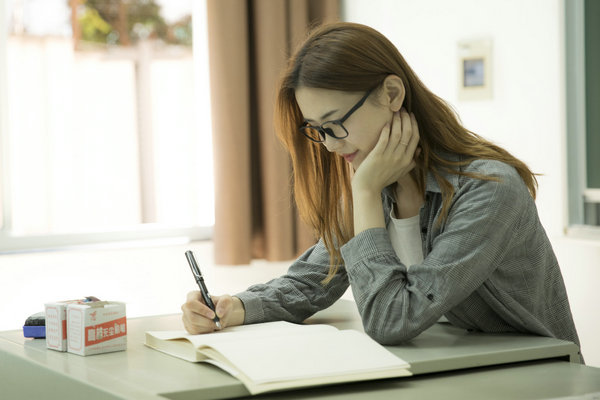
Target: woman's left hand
392, 157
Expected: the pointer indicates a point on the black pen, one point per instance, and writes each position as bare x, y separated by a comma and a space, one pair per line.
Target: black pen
200, 281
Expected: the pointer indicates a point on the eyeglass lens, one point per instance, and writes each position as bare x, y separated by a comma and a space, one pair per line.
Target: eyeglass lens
333, 129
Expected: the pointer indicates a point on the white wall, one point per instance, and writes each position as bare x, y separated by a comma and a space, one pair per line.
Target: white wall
526, 114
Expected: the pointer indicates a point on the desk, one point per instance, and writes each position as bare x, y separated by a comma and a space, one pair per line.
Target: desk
29, 370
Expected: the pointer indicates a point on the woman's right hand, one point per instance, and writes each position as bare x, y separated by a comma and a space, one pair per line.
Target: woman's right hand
198, 317
392, 157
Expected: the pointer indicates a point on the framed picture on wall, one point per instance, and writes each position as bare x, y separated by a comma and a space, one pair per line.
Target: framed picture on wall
475, 69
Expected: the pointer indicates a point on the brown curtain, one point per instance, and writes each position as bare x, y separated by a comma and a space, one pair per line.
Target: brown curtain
249, 43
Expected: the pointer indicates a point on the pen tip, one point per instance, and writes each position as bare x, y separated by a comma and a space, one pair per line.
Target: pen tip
218, 325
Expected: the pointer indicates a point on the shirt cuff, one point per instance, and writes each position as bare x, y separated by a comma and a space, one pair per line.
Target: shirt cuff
252, 306
367, 244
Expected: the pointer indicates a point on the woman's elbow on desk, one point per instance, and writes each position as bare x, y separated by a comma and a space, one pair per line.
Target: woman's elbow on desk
396, 321
390, 333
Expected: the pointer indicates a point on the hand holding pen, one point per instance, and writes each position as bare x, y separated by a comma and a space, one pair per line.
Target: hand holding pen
203, 290
203, 313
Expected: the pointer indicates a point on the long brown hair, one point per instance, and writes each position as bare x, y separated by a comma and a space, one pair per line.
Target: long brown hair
354, 58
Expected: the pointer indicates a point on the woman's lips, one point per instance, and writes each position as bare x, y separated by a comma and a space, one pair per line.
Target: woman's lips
349, 157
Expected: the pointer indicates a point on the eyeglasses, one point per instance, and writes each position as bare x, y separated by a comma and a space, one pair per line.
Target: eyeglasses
334, 128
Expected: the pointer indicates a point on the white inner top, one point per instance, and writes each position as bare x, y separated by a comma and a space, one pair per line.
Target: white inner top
406, 239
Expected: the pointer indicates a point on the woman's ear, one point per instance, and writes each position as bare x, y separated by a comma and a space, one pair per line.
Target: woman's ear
393, 92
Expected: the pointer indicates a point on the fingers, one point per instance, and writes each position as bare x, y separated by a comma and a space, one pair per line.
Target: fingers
392, 156
194, 295
395, 134
197, 316
195, 303
195, 324
414, 138
399, 136
383, 140
400, 132
403, 129
406, 127
222, 305
404, 135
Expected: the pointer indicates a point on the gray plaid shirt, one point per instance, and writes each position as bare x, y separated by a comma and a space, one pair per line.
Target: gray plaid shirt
489, 267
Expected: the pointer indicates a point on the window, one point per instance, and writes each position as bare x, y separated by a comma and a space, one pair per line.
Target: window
105, 129
583, 120
592, 102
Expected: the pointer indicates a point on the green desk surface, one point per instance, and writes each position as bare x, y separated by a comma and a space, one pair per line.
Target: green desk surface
29, 370
530, 380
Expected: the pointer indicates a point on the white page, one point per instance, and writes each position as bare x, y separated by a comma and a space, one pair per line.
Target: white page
242, 332
304, 355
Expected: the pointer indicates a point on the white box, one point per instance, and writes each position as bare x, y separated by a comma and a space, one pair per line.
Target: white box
97, 327
56, 325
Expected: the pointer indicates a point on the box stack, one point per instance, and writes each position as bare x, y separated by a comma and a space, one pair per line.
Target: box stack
86, 327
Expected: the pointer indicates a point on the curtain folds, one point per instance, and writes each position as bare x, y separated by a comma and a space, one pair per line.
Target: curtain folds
249, 43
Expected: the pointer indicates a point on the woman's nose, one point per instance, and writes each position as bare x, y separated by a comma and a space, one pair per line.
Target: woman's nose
332, 144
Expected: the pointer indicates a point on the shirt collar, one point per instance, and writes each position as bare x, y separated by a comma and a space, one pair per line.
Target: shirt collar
431, 183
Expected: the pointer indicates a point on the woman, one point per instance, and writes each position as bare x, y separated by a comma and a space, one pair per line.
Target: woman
422, 217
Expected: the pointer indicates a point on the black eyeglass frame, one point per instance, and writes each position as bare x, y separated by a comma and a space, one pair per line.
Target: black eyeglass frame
328, 131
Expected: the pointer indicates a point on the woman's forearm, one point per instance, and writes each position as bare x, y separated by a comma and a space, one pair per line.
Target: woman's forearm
368, 210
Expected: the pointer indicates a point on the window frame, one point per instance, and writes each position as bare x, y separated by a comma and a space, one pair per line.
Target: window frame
144, 232
577, 190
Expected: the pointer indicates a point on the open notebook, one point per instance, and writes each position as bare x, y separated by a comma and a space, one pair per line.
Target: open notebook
281, 355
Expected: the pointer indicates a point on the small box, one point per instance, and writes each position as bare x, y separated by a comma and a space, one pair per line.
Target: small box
97, 327
56, 325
